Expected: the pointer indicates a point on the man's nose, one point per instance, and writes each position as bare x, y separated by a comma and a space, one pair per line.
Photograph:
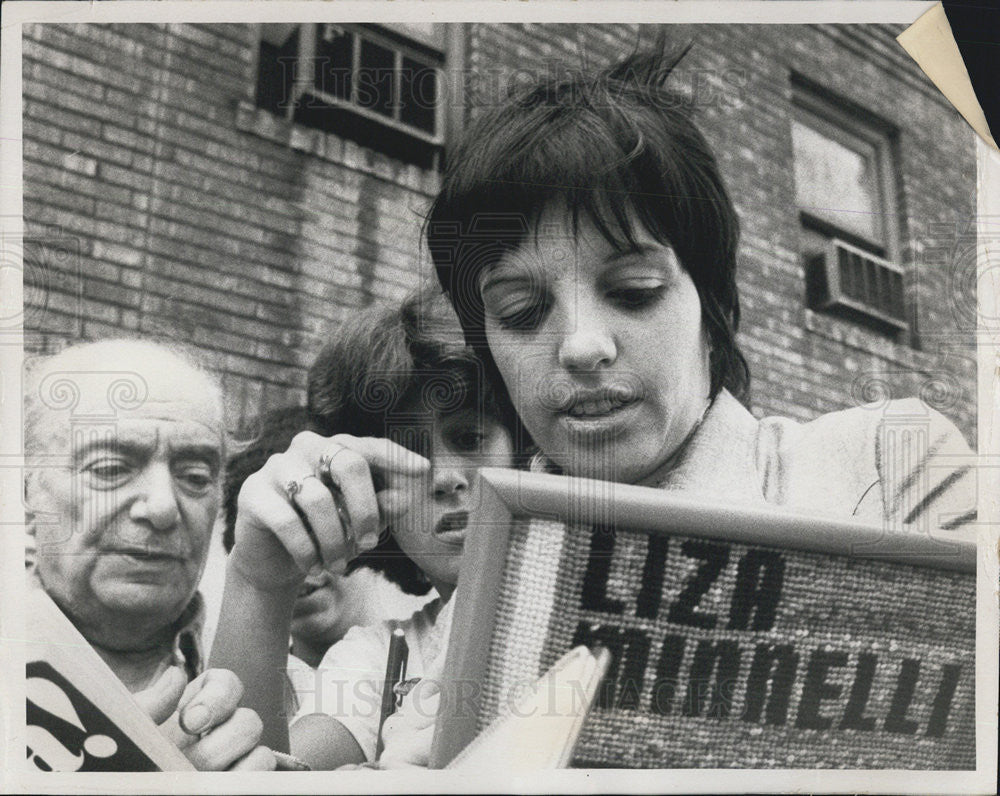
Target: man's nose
156, 502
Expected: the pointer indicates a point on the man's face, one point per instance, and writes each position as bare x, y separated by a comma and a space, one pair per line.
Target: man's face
128, 521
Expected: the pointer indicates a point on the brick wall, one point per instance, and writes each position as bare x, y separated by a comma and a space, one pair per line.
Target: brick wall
185, 212
158, 199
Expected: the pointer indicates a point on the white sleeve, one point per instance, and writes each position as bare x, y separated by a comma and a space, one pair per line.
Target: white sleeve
301, 682
347, 684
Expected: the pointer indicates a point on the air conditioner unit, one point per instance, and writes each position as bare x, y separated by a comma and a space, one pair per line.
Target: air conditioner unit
847, 278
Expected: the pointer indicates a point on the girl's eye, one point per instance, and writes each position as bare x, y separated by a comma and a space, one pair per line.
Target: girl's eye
634, 298
520, 307
468, 441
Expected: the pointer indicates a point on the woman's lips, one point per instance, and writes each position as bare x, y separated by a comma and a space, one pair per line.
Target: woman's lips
601, 417
575, 400
146, 555
600, 407
451, 527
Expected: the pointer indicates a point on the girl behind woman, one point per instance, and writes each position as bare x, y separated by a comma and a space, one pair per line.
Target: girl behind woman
403, 421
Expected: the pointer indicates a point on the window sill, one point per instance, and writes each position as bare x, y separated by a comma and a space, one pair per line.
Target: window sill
333, 148
846, 334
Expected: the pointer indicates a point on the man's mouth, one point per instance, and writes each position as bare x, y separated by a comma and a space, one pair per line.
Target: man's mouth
147, 554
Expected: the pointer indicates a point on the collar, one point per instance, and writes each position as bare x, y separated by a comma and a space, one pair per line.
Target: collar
188, 649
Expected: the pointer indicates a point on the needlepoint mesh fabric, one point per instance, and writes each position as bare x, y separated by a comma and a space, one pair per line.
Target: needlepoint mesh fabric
740, 656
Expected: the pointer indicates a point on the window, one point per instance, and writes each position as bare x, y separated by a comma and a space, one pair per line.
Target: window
378, 85
846, 205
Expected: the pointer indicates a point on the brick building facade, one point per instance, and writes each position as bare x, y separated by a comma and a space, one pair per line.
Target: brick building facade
163, 194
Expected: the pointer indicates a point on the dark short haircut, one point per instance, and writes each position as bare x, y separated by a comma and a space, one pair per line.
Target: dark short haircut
616, 145
381, 368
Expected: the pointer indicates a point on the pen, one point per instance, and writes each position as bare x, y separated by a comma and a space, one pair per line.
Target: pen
395, 673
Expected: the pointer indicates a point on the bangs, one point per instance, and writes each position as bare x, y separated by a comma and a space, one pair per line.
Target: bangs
553, 157
607, 155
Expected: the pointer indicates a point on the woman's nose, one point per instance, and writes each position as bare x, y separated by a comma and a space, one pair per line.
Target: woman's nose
586, 346
157, 499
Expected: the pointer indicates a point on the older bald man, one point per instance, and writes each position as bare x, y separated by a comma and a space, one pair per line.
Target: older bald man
126, 444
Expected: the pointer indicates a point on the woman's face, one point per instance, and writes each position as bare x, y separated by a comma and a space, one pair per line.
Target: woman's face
603, 351
448, 502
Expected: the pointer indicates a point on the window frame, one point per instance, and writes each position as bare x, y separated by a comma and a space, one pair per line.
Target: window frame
428, 149
859, 131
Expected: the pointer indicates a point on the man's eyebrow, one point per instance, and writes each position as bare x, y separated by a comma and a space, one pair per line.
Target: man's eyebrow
111, 444
204, 452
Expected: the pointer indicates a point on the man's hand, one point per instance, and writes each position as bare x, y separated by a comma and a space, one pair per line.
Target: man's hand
203, 720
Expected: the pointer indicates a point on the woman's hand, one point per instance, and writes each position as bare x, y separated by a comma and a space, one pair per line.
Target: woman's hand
203, 720
320, 504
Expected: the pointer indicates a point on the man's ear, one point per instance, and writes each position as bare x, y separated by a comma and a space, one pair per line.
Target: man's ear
30, 544
33, 489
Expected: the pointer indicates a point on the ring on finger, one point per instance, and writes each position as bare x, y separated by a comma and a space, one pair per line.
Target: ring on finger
327, 458
292, 487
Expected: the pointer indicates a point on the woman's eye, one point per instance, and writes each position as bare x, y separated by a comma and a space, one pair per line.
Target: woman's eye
520, 307
637, 297
522, 318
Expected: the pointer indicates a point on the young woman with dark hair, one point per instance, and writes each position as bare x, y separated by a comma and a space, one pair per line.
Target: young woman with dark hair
589, 247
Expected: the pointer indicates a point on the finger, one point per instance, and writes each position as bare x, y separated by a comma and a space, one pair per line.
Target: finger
321, 522
273, 510
211, 702
350, 473
260, 759
394, 504
226, 742
406, 744
386, 457
423, 701
160, 699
